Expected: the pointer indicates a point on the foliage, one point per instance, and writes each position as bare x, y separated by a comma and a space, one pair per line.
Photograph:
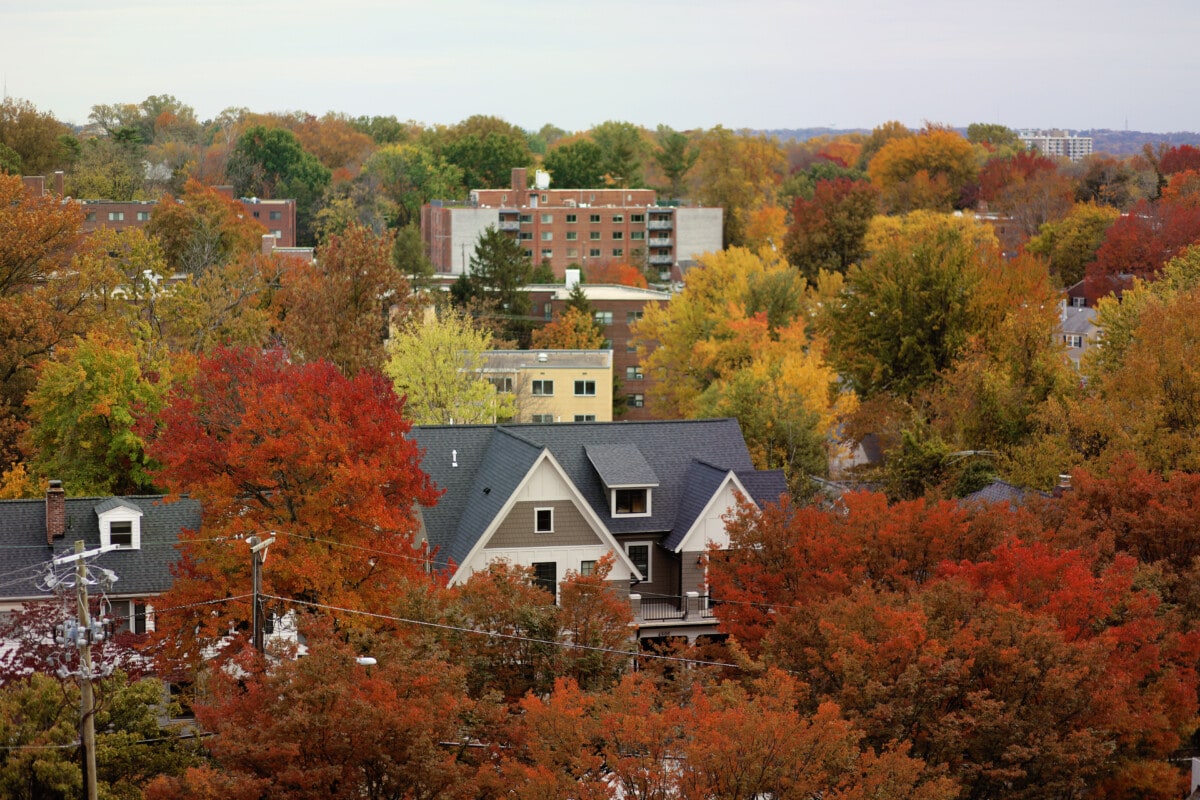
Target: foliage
576, 165
1027, 188
1070, 244
623, 149
499, 270
296, 449
927, 171
1140, 242
739, 173
270, 162
675, 156
615, 272
409, 176
341, 306
828, 230
881, 136
1106, 181
83, 411
32, 136
997, 136
487, 161
108, 169
203, 229
436, 365
570, 330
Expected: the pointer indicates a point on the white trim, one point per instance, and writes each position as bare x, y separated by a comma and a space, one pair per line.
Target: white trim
122, 513
597, 525
649, 557
612, 501
537, 510
697, 523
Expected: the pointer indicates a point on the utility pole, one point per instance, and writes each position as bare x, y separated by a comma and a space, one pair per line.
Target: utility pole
87, 720
258, 557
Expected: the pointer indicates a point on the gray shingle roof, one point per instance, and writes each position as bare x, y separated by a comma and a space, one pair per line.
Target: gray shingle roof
621, 465
498, 457
146, 571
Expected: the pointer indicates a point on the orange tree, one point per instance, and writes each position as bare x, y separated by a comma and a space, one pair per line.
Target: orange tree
299, 451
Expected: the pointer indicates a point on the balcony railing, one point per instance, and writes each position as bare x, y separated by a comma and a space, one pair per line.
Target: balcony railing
691, 607
660, 242
660, 224
509, 225
655, 259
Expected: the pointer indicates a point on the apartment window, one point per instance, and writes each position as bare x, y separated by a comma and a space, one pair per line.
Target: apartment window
635, 218
543, 520
618, 219
594, 236
277, 234
120, 533
587, 568
602, 317
618, 252
529, 254
525, 235
618, 234
543, 388
630, 346
548, 310
606, 344
547, 253
542, 418
255, 214
572, 219
631, 502
639, 554
572, 236
572, 252
585, 417
545, 198
633, 373
585, 388
545, 576
637, 235
594, 219
116, 216
91, 216
594, 252
143, 216
632, 317
504, 384
275, 215
526, 218
547, 218
547, 236
635, 400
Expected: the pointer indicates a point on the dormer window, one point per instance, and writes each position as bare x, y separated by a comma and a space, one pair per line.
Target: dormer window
631, 501
120, 524
627, 477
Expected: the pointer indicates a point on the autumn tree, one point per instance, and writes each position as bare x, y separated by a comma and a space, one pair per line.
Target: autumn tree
675, 156
268, 445
408, 176
827, 231
1139, 243
33, 138
341, 306
1026, 187
570, 330
881, 136
202, 228
739, 173
615, 272
1070, 244
1106, 181
436, 365
926, 171
271, 162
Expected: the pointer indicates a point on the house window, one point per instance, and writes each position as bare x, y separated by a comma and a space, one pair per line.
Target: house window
116, 216
571, 219
585, 417
587, 568
547, 236
143, 216
618, 252
526, 218
545, 576
639, 554
120, 533
631, 502
504, 384
632, 317
594, 219
637, 218
542, 418
547, 218
594, 252
636, 400
633, 373
1073, 340
277, 234
543, 520
618, 219
603, 317
594, 236
572, 236
585, 388
543, 388
1078, 302
131, 616
618, 234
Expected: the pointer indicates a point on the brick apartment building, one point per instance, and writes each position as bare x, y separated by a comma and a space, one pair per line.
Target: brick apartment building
571, 227
616, 309
277, 216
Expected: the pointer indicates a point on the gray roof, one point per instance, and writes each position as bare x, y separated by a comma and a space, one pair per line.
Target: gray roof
620, 465
492, 460
1078, 320
146, 571
514, 360
999, 491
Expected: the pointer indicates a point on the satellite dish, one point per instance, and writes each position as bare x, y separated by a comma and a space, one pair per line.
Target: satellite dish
541, 180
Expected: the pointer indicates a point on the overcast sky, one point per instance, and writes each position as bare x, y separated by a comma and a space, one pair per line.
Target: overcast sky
686, 63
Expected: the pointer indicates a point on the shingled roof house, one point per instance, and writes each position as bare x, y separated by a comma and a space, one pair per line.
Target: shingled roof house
558, 497
145, 530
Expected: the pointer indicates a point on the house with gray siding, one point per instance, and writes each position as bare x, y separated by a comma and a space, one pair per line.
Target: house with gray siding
558, 497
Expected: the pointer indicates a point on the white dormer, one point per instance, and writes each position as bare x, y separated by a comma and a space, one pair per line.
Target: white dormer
627, 478
120, 523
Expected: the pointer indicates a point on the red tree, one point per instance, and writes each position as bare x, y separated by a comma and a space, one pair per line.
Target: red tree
1140, 242
1179, 159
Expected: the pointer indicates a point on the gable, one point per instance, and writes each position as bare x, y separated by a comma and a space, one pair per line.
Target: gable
709, 526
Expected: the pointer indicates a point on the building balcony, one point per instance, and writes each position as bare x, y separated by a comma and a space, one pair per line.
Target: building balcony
509, 225
660, 224
657, 259
660, 242
691, 608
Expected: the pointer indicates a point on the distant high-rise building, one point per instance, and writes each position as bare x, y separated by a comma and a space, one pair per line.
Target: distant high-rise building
1057, 143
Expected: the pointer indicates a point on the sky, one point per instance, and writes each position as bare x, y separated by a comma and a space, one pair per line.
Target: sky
758, 64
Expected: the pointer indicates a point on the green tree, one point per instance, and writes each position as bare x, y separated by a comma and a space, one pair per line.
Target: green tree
676, 155
487, 161
436, 364
990, 133
409, 176
108, 169
499, 269
576, 165
623, 152
270, 162
1070, 244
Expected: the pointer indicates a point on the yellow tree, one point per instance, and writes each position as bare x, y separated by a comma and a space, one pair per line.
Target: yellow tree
740, 173
924, 171
571, 330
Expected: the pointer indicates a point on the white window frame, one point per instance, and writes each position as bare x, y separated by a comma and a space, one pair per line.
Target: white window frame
612, 499
121, 515
536, 515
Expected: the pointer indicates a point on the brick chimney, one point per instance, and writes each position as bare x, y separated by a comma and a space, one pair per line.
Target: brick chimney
56, 512
1064, 486
520, 179
268, 243
58, 182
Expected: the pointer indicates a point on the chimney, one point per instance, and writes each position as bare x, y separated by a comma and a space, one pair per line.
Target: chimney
268, 243
58, 182
520, 182
56, 512
1064, 486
